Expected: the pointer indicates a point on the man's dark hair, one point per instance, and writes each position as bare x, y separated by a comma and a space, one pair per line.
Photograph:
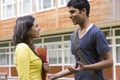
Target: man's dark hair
80, 4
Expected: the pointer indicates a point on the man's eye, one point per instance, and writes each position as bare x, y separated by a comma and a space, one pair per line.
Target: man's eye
72, 11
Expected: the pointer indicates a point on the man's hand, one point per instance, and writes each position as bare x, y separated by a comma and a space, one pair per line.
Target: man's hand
80, 67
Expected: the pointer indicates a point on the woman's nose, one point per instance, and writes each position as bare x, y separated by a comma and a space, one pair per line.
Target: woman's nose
39, 28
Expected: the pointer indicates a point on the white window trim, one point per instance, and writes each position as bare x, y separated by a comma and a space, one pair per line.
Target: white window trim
13, 9
18, 10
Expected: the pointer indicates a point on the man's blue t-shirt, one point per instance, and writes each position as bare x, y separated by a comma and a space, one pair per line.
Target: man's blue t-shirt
93, 43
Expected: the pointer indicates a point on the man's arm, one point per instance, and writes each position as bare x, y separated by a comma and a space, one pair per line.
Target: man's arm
105, 63
66, 72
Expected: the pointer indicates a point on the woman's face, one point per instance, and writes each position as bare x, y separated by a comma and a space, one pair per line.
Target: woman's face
35, 31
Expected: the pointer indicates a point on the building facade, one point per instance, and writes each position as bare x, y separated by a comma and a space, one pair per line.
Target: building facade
56, 29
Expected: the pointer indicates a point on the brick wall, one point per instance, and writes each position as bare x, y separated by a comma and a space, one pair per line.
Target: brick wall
57, 19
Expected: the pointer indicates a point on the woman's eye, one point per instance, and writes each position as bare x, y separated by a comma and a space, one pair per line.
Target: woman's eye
36, 25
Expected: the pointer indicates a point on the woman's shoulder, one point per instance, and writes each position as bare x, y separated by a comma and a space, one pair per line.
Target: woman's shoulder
22, 45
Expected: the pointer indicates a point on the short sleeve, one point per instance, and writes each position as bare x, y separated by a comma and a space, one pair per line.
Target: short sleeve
101, 43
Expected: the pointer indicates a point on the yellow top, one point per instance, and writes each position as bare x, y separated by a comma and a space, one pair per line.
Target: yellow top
28, 65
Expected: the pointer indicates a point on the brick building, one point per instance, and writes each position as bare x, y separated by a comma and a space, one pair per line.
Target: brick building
56, 30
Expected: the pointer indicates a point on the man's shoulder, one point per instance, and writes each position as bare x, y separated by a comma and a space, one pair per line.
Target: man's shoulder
94, 29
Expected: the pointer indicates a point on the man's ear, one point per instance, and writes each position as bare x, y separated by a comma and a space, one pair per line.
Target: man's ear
84, 10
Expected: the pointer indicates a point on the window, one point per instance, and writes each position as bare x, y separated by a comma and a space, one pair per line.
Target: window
12, 55
69, 58
117, 32
45, 4
62, 3
25, 7
54, 53
118, 49
42, 5
7, 9
58, 54
58, 51
4, 56
117, 44
118, 54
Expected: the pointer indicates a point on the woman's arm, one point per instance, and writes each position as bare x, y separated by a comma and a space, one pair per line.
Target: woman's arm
22, 63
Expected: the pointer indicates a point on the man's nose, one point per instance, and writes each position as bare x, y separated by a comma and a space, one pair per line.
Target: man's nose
70, 16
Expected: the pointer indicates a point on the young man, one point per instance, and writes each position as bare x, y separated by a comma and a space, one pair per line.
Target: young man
88, 44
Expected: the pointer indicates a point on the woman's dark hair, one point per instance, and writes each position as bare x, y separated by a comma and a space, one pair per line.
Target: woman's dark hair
80, 4
21, 30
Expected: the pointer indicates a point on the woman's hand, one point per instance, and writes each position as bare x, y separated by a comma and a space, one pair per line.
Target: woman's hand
46, 66
51, 77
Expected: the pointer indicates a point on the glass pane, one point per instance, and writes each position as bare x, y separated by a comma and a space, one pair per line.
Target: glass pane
111, 49
8, 1
4, 13
59, 56
4, 59
4, 44
20, 7
59, 46
54, 3
72, 59
118, 54
26, 6
67, 45
107, 33
12, 59
46, 4
37, 41
67, 1
32, 6
109, 41
12, 49
118, 41
39, 4
67, 37
61, 2
66, 56
52, 39
117, 32
51, 46
52, 57
9, 11
3, 1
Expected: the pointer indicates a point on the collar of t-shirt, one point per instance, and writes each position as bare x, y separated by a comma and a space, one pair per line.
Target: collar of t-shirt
88, 28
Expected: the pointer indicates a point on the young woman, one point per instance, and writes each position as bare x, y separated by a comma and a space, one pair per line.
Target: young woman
28, 63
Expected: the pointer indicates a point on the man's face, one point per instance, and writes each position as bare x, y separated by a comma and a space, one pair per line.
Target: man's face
76, 15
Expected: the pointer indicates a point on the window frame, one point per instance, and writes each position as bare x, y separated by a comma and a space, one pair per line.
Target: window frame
12, 3
22, 5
